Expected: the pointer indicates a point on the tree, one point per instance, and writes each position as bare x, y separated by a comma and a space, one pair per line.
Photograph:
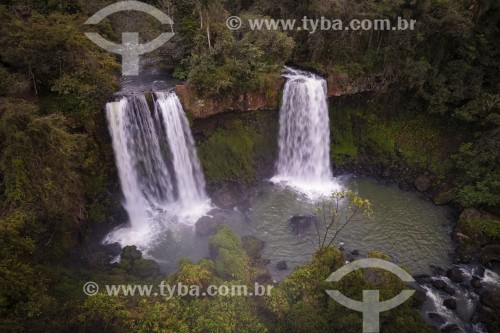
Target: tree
336, 212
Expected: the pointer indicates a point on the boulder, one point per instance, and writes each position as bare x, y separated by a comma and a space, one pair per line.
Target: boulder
439, 284
301, 223
113, 250
281, 265
253, 246
437, 318
490, 253
476, 282
355, 253
455, 275
450, 303
422, 278
208, 226
449, 290
423, 183
131, 253
227, 196
450, 328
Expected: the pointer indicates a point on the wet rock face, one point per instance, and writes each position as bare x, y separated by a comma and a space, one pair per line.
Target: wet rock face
439, 284
437, 318
455, 275
450, 303
203, 107
476, 282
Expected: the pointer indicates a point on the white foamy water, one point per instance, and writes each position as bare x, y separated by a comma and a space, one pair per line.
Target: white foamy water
191, 200
304, 136
159, 172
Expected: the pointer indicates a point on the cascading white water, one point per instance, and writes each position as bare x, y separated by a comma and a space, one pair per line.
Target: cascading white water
159, 172
186, 166
304, 137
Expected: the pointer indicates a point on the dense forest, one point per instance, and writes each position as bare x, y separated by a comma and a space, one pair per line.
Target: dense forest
422, 102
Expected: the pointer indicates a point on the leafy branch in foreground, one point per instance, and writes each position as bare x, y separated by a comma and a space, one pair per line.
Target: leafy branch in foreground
336, 212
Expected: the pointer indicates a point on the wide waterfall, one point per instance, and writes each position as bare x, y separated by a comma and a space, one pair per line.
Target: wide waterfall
159, 171
304, 136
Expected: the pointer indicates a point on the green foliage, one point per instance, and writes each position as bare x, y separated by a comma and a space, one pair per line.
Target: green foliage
478, 163
343, 146
370, 137
301, 299
40, 162
60, 58
336, 212
105, 313
190, 274
165, 317
229, 155
241, 149
304, 318
231, 261
480, 227
233, 65
223, 315
23, 294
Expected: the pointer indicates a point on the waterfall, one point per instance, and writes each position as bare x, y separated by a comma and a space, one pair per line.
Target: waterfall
304, 136
159, 171
186, 166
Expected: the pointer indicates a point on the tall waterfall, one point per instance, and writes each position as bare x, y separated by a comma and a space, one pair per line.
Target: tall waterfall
159, 171
186, 166
304, 136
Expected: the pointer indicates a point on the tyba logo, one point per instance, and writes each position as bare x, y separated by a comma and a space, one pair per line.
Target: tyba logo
129, 49
371, 306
